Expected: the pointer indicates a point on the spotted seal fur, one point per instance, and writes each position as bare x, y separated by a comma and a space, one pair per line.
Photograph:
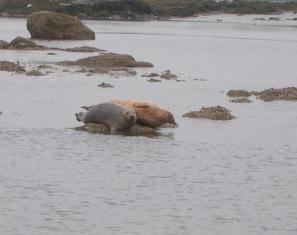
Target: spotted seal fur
119, 118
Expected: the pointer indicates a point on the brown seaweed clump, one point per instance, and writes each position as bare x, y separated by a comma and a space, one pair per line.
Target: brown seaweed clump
288, 94
4, 44
20, 43
213, 113
239, 93
11, 67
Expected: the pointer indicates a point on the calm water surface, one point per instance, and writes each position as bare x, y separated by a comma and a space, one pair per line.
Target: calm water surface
207, 177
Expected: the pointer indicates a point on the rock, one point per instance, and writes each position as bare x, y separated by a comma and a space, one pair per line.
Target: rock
154, 80
11, 67
213, 113
83, 49
55, 26
34, 73
51, 53
168, 75
107, 60
44, 66
238, 93
105, 85
135, 130
4, 44
240, 100
148, 114
288, 94
20, 43
151, 75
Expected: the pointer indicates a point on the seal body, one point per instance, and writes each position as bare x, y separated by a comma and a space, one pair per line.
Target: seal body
119, 118
148, 113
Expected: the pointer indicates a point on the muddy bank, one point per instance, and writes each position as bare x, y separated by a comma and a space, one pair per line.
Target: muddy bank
212, 113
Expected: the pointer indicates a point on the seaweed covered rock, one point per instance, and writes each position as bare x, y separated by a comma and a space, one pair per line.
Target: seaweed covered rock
238, 93
288, 94
35, 73
107, 60
213, 113
11, 67
240, 100
55, 26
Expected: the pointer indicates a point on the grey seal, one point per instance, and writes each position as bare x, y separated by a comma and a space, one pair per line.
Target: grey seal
119, 118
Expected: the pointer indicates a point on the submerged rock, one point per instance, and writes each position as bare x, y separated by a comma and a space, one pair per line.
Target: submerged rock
34, 73
154, 80
168, 75
11, 67
238, 93
55, 26
4, 44
288, 94
83, 49
240, 100
151, 75
51, 53
105, 85
213, 113
107, 60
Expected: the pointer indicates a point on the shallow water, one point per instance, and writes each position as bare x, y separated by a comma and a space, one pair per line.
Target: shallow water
207, 177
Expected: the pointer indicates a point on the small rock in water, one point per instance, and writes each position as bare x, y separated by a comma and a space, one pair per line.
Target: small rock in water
51, 53
238, 93
105, 85
154, 80
44, 66
34, 73
168, 75
151, 75
288, 94
213, 113
240, 100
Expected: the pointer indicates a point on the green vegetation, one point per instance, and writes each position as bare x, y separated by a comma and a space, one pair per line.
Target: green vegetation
137, 9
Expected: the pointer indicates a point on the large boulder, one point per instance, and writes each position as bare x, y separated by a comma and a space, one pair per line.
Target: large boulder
55, 26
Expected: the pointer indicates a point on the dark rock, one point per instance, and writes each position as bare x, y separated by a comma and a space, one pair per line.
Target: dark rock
55, 26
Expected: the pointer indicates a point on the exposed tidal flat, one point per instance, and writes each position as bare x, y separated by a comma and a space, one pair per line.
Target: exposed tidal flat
205, 177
